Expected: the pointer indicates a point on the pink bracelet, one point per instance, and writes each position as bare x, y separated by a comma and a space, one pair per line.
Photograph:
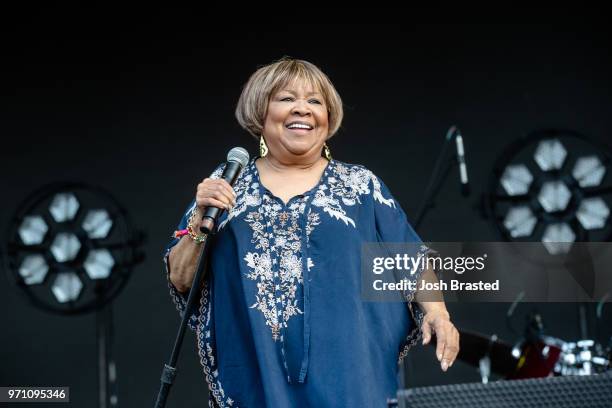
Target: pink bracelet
180, 233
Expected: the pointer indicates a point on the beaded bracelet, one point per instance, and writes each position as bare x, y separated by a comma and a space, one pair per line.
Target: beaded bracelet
199, 238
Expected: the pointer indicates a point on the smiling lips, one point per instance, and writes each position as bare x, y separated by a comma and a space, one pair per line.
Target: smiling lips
299, 126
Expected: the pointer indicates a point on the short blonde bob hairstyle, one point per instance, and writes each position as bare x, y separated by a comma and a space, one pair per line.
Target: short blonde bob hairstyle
267, 80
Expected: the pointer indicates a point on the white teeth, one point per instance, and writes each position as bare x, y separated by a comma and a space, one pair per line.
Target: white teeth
299, 126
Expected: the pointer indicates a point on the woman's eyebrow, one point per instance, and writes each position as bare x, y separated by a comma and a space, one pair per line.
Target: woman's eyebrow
308, 94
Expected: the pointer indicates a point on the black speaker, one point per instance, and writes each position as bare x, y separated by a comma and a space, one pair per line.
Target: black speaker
594, 391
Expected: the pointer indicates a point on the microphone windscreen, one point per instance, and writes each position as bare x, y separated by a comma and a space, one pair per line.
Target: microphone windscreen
239, 155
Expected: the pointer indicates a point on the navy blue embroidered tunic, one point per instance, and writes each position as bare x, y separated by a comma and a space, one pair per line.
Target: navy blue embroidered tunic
281, 322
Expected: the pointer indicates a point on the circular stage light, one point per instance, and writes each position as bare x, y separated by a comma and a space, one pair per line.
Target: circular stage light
71, 248
553, 186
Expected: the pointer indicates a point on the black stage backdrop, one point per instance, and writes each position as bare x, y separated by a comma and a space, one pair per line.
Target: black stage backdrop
146, 114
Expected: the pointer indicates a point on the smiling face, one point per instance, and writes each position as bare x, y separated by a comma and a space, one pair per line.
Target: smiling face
296, 124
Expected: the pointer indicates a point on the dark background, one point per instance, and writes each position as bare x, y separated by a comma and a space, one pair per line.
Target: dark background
146, 112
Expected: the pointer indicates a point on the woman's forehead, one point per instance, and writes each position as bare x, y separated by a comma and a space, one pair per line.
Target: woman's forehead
307, 85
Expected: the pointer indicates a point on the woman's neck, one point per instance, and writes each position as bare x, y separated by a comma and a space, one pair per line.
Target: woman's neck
278, 165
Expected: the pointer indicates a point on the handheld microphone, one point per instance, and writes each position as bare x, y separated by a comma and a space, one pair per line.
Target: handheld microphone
237, 158
463, 175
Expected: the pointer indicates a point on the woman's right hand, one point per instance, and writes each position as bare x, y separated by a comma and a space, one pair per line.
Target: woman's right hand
215, 193
183, 258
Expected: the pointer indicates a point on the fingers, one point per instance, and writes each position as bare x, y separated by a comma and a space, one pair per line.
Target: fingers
455, 347
451, 348
211, 202
214, 199
426, 329
228, 190
217, 193
447, 339
441, 339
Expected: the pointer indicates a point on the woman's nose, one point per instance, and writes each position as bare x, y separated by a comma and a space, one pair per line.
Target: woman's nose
301, 107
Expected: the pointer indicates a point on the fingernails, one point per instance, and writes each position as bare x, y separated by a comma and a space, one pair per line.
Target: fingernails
439, 357
444, 365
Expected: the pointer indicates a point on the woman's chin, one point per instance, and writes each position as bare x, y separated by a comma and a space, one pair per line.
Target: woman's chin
298, 149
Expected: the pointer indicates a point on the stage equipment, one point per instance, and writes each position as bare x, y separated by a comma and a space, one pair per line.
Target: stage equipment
70, 248
535, 356
552, 186
443, 165
560, 392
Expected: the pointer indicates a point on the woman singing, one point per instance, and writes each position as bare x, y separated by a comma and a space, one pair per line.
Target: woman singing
281, 322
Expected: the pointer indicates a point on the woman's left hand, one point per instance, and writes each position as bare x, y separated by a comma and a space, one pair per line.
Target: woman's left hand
447, 347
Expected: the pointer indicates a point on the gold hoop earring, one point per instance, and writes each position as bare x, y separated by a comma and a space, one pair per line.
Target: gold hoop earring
327, 152
263, 148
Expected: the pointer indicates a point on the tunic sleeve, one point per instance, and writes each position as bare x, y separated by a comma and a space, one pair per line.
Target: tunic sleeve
180, 299
392, 226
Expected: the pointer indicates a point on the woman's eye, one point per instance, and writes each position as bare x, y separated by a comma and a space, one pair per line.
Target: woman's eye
287, 99
315, 101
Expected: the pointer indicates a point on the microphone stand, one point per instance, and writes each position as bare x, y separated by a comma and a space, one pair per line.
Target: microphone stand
435, 182
169, 371
237, 158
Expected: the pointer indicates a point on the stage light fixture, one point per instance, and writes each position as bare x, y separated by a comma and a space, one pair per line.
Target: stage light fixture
552, 186
71, 248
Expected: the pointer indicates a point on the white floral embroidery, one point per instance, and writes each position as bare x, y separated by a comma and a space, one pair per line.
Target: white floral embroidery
331, 206
277, 269
377, 194
346, 184
247, 195
277, 264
